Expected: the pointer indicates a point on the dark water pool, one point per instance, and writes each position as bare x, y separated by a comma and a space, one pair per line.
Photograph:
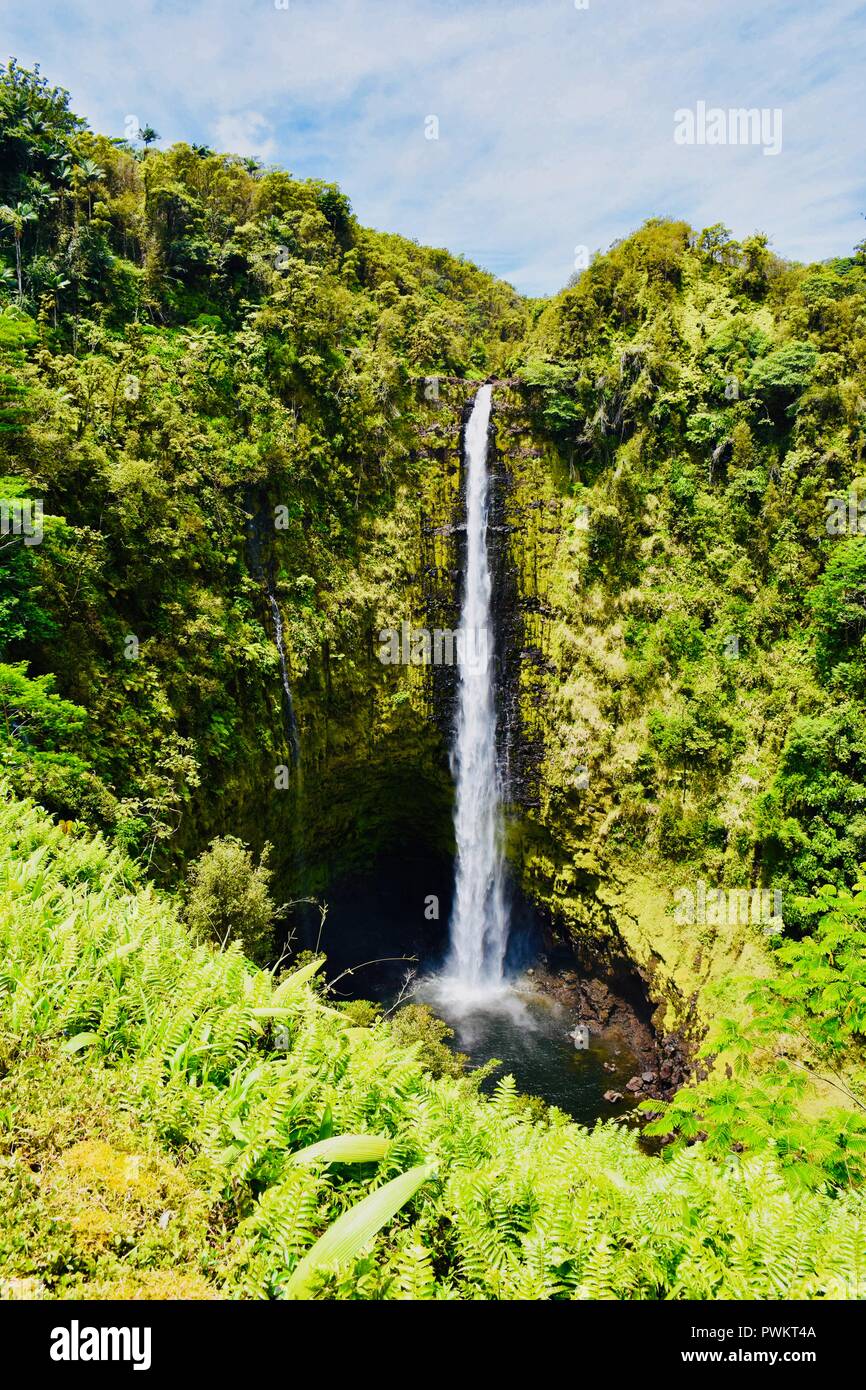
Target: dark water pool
529, 1032
379, 928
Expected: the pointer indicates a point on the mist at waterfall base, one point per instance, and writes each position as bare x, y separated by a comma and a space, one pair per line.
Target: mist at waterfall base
378, 916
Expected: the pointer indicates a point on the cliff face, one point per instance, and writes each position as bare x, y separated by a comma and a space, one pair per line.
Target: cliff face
573, 730
374, 713
373, 773
560, 712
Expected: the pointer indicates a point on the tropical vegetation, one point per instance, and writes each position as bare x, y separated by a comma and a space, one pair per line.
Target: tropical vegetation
230, 418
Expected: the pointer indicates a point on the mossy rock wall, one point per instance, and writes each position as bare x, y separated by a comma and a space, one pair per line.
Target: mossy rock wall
567, 760
373, 735
373, 770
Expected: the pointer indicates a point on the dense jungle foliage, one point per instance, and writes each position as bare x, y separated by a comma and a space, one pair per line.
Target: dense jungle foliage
217, 392
709, 400
183, 334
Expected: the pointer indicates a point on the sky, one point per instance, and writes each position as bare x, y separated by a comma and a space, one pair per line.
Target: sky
554, 120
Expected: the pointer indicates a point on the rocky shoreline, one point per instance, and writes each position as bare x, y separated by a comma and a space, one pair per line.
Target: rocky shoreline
664, 1064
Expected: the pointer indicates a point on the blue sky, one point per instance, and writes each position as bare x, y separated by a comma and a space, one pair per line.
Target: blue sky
555, 123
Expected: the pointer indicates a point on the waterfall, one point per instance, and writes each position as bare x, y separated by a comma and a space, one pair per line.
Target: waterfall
479, 921
257, 524
288, 703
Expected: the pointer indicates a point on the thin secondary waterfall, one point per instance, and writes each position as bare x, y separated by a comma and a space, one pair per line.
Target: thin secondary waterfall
257, 528
288, 703
479, 922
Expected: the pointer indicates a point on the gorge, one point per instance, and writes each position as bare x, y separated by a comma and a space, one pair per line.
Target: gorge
335, 432
495, 1008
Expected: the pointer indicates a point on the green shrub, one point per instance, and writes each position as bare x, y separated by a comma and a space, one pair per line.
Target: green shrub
417, 1023
229, 897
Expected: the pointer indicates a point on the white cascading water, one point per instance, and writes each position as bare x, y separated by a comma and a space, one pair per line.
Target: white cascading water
479, 921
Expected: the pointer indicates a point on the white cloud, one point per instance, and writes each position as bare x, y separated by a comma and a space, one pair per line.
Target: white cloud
245, 133
556, 124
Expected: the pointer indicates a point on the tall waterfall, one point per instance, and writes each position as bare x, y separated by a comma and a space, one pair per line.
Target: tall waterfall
479, 922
